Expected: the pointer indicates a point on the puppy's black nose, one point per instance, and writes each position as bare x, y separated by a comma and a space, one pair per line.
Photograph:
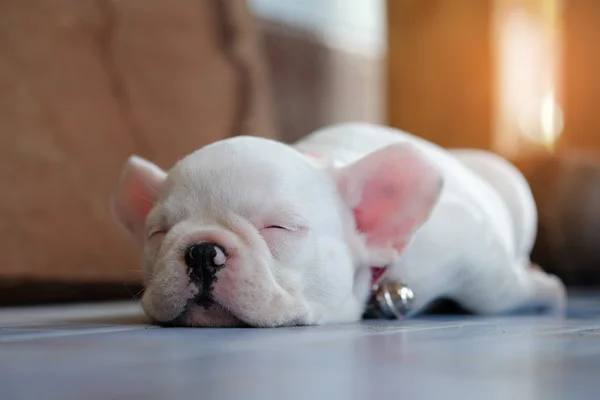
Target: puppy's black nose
204, 259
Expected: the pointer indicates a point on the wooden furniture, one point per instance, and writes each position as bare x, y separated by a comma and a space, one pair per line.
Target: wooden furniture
83, 85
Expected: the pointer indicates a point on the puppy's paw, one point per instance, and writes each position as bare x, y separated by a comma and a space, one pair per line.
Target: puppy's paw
549, 290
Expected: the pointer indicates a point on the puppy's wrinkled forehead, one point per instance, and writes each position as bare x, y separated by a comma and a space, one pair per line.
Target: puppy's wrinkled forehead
241, 175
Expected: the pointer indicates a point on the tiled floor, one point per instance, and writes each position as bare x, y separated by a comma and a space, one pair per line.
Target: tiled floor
106, 352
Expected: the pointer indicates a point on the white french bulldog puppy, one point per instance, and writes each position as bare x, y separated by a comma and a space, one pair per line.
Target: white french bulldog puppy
251, 231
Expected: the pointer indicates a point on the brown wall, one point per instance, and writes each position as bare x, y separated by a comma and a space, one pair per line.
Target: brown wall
581, 78
439, 70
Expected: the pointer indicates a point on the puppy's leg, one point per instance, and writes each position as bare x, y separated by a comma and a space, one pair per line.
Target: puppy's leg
509, 284
501, 288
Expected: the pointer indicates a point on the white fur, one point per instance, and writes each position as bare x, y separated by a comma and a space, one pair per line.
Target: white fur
471, 246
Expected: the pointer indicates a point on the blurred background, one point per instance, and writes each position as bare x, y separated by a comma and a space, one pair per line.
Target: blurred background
86, 83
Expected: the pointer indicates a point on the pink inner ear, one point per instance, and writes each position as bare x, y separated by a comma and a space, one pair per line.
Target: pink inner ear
137, 191
397, 197
141, 198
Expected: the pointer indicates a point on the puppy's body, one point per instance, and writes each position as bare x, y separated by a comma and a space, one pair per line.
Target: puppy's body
475, 246
297, 229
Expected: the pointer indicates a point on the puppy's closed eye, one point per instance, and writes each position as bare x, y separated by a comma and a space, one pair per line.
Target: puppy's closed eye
156, 232
275, 227
280, 238
292, 228
273, 232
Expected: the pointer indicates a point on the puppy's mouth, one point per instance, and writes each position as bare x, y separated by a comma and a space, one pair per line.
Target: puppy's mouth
205, 311
205, 301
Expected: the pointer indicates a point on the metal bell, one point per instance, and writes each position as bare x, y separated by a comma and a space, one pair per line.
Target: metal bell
390, 300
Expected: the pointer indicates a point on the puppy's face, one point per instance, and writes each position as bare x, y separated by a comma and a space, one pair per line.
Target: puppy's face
249, 231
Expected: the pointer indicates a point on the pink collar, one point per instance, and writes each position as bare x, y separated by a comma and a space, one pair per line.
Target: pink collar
376, 275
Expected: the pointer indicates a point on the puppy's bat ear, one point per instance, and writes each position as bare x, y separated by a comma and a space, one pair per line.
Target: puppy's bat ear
137, 191
391, 193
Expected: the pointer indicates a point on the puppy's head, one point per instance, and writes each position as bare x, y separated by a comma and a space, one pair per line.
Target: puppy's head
249, 231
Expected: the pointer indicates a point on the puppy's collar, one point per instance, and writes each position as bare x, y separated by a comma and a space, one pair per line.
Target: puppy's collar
377, 274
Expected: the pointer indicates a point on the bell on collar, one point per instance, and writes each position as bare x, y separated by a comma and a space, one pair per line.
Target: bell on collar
390, 300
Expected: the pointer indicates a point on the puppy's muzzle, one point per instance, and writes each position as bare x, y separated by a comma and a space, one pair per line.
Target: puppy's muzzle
204, 260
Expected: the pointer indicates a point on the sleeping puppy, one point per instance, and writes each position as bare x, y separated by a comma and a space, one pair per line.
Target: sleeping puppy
250, 231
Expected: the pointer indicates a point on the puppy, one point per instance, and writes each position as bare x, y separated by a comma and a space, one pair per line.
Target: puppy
250, 231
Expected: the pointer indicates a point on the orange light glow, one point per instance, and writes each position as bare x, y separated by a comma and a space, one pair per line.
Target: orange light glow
527, 43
